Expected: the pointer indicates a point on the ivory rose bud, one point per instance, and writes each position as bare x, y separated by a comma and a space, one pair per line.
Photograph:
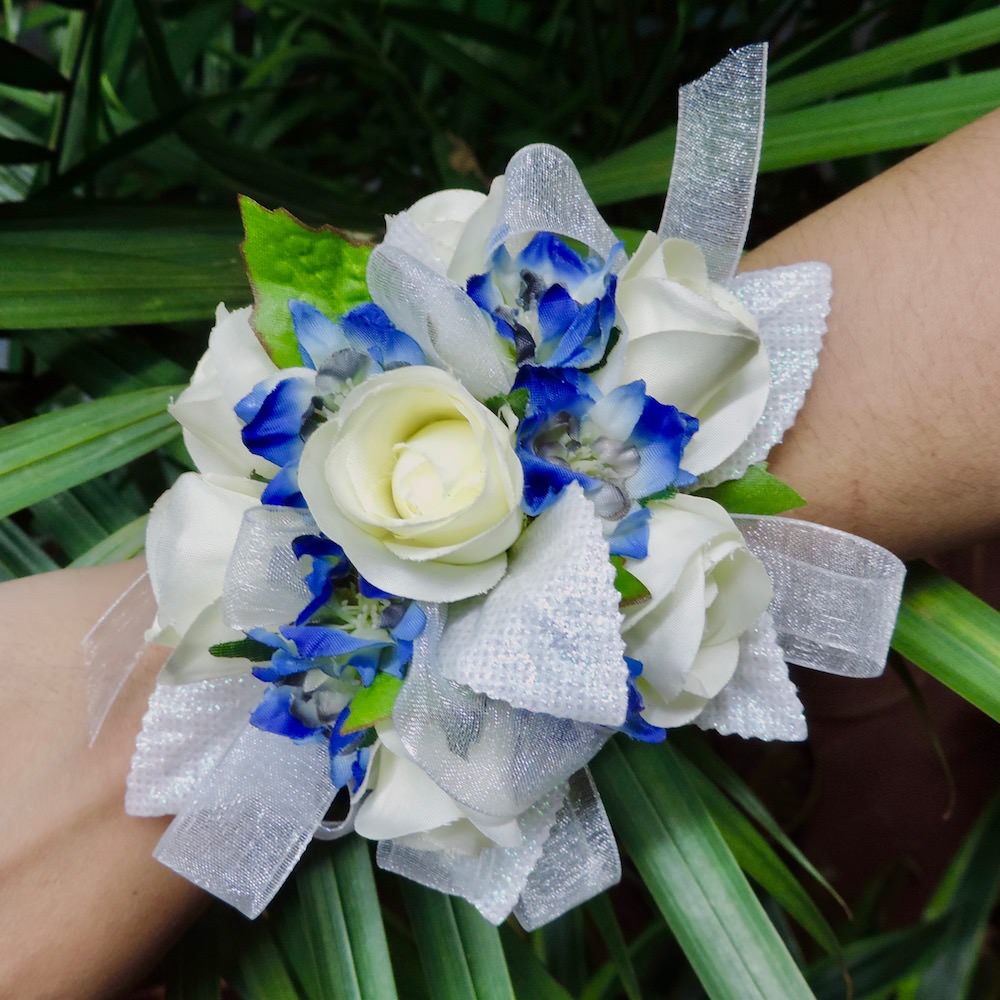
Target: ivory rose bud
707, 589
695, 346
233, 364
419, 483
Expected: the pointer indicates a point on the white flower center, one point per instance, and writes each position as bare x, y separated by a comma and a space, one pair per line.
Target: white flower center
438, 471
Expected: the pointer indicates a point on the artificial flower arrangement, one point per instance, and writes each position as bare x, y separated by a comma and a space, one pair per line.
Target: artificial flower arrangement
458, 520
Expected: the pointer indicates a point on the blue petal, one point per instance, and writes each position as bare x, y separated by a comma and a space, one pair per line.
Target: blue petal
544, 481
271, 639
282, 664
369, 329
275, 431
314, 641
316, 546
411, 624
370, 590
246, 409
484, 292
551, 257
631, 535
635, 725
573, 348
318, 337
273, 715
557, 310
283, 490
551, 390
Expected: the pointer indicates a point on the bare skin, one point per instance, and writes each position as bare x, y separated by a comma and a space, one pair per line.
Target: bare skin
897, 442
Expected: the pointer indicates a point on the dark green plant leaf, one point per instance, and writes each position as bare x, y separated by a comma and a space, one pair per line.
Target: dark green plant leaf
756, 492
21, 68
242, 649
951, 634
461, 953
970, 891
516, 400
603, 915
877, 964
20, 554
529, 977
260, 971
286, 259
125, 543
692, 875
45, 455
19, 151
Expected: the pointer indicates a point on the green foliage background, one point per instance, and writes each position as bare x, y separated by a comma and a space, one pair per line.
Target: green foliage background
128, 127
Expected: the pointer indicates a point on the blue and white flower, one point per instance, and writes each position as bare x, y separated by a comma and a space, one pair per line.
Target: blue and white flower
621, 448
555, 308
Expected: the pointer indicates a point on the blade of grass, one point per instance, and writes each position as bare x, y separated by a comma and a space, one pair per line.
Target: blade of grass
45, 455
21, 68
924, 48
20, 554
259, 972
951, 634
529, 977
888, 119
692, 875
343, 918
602, 913
461, 953
125, 543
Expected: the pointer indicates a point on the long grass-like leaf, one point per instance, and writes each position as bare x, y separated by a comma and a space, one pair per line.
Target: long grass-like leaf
460, 952
693, 877
45, 455
951, 634
529, 977
125, 543
603, 915
889, 119
342, 916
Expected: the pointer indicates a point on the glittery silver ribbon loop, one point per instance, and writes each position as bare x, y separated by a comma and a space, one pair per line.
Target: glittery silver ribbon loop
185, 732
453, 332
113, 648
580, 858
790, 305
492, 880
543, 192
760, 702
719, 128
835, 595
242, 832
265, 586
547, 638
489, 756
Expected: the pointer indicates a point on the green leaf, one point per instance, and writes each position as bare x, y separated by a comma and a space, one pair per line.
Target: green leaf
21, 68
602, 913
242, 649
907, 116
461, 953
20, 554
632, 590
972, 886
260, 971
343, 921
61, 266
667, 493
923, 48
286, 259
877, 964
373, 703
756, 492
125, 543
951, 634
45, 455
529, 977
760, 861
732, 946
516, 400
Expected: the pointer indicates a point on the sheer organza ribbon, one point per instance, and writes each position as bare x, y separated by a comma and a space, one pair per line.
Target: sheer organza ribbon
502, 741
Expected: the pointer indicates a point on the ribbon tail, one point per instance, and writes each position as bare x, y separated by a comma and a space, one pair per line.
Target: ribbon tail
241, 833
836, 595
113, 648
719, 129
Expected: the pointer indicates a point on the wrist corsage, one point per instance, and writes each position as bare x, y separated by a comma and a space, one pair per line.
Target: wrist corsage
469, 503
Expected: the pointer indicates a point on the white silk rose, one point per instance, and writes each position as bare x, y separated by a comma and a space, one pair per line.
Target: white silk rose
190, 536
695, 346
233, 364
419, 483
707, 589
405, 805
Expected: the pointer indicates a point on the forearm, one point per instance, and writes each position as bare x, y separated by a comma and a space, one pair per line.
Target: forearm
84, 907
898, 438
